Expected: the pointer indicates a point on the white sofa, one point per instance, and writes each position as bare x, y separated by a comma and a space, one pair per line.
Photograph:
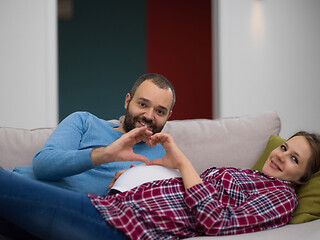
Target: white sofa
236, 142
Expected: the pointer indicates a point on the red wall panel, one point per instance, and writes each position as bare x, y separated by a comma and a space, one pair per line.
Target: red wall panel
179, 47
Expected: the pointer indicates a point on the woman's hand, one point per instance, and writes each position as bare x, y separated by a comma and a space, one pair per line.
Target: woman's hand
174, 158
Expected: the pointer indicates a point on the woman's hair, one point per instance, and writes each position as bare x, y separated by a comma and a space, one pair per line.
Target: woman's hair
314, 161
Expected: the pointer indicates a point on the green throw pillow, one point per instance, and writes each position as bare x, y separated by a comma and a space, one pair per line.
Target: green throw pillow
308, 194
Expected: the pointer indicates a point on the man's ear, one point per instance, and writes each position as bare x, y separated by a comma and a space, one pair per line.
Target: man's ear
170, 113
127, 100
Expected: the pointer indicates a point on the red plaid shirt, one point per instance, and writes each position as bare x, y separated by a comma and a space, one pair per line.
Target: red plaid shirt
230, 201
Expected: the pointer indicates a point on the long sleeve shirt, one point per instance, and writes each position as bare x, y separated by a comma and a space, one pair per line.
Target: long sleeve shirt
65, 159
229, 201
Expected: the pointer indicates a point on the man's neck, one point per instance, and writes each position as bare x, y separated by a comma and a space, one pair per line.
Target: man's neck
120, 129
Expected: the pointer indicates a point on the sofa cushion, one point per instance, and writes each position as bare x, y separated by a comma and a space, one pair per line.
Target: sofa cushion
18, 146
308, 194
236, 142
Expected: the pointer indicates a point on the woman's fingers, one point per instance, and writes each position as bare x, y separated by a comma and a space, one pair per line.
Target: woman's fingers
157, 161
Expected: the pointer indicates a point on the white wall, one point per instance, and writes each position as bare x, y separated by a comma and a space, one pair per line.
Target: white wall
28, 63
269, 59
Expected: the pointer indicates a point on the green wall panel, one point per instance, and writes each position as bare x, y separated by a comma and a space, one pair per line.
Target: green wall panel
102, 51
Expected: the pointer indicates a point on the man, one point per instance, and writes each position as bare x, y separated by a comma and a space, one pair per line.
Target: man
79, 155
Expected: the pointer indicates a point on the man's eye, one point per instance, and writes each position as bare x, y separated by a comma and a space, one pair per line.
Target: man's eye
160, 112
142, 104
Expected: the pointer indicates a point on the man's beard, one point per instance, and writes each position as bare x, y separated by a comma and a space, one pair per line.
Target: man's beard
130, 121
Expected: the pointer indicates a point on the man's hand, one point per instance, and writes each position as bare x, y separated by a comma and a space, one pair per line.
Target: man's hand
117, 175
121, 149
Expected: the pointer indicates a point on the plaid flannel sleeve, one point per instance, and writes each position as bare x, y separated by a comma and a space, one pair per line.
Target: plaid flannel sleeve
272, 209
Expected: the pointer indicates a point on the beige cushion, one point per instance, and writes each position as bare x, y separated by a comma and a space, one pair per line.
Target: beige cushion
236, 142
18, 146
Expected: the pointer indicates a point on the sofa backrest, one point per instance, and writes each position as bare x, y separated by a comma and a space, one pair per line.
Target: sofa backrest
230, 142
237, 141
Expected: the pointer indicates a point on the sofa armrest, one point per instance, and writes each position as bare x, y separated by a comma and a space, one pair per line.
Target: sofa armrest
18, 146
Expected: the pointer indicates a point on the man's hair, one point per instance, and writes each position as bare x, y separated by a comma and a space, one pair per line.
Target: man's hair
158, 80
314, 161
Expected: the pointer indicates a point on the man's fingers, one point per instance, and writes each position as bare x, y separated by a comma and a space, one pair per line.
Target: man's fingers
112, 183
117, 175
141, 158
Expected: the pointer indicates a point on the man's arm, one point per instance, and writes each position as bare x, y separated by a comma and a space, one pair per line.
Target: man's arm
60, 156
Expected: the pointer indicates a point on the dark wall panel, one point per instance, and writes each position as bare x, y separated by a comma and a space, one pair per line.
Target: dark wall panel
101, 53
108, 44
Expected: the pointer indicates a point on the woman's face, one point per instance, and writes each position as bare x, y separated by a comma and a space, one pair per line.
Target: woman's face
289, 161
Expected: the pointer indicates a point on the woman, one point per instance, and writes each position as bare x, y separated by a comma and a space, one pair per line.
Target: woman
221, 201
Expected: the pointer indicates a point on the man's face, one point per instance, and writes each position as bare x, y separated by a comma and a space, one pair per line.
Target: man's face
150, 106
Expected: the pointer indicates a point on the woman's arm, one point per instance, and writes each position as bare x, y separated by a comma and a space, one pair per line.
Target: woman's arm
215, 211
220, 215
